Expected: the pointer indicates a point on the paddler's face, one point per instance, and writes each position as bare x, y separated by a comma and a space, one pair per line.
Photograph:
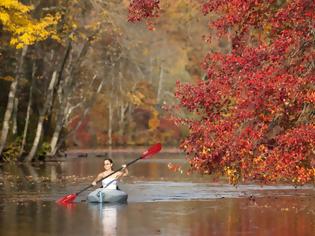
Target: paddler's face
107, 165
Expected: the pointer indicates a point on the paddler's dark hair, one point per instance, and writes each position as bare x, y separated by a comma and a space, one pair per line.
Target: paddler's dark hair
108, 159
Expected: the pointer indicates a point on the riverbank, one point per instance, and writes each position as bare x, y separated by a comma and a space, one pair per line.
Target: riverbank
108, 150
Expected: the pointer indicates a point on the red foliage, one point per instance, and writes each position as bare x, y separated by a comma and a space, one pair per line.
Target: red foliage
255, 111
143, 9
254, 115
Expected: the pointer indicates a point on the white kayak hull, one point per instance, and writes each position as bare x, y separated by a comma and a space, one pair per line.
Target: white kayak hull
107, 196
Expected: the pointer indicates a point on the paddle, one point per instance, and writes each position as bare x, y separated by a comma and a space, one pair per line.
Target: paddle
148, 153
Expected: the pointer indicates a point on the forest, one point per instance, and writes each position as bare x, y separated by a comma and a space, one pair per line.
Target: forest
78, 74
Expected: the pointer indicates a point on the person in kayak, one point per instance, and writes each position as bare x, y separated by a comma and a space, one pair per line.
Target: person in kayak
111, 181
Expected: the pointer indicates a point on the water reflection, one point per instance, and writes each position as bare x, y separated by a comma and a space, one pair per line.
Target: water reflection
107, 215
262, 216
109, 220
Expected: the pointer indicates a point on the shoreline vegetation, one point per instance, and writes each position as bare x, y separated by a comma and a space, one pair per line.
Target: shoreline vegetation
104, 151
99, 152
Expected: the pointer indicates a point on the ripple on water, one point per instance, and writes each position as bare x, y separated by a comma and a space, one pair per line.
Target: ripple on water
151, 191
164, 191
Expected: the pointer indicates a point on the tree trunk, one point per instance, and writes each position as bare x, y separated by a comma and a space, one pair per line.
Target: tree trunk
28, 111
39, 129
14, 116
10, 104
110, 113
65, 89
55, 137
64, 95
61, 118
123, 109
110, 117
85, 113
38, 135
60, 81
158, 97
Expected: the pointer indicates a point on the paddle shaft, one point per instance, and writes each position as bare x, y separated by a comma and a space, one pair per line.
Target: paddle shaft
91, 185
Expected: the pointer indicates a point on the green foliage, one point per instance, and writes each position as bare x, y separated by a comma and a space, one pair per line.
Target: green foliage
12, 152
43, 150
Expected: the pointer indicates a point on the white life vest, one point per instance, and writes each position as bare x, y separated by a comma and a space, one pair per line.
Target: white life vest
109, 183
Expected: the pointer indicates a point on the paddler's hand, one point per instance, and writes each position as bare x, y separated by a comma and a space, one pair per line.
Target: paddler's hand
124, 166
124, 169
93, 183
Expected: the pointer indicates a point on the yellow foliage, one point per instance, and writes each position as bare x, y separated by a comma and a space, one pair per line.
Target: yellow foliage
232, 174
143, 97
7, 78
145, 52
154, 123
24, 30
15, 5
205, 150
136, 98
267, 28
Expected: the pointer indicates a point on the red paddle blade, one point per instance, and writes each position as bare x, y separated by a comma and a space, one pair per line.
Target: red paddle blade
152, 150
67, 199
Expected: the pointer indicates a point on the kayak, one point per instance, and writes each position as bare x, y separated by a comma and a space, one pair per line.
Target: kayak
107, 196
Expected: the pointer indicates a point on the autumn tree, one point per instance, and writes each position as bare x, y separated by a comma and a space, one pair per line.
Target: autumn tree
253, 115
77, 33
47, 68
23, 29
20, 30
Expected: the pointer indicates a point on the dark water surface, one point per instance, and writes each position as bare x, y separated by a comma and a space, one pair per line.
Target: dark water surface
160, 202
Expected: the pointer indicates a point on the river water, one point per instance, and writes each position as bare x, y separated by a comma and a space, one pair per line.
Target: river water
160, 202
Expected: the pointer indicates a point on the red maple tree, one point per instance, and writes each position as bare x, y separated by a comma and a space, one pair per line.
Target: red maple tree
253, 117
144, 9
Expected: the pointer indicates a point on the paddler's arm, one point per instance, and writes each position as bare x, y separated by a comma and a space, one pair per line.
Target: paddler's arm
123, 172
99, 177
